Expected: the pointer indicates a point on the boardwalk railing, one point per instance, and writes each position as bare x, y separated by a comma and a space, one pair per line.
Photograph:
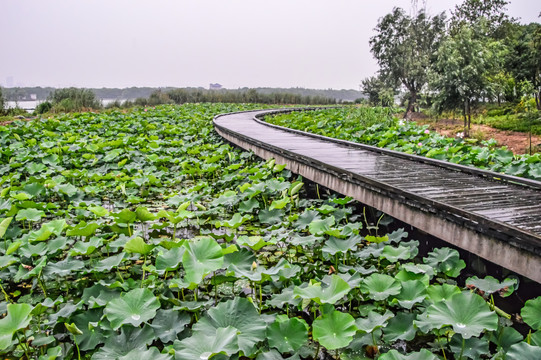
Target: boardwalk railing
495, 216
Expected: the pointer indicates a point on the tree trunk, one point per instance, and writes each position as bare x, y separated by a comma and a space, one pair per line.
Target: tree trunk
411, 104
467, 118
537, 96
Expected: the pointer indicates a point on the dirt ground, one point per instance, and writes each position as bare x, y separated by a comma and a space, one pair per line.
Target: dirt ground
517, 142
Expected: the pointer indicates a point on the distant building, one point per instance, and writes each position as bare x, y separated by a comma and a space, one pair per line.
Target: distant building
215, 86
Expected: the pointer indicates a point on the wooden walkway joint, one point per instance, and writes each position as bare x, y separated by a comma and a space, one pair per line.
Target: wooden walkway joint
495, 216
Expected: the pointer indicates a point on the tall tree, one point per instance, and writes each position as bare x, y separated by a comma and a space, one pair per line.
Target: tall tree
492, 12
466, 62
378, 92
404, 48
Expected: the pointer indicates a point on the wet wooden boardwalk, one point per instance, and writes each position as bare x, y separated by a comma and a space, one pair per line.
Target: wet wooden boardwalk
495, 216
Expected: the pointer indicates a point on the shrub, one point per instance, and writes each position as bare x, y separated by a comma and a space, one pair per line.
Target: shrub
44, 107
73, 99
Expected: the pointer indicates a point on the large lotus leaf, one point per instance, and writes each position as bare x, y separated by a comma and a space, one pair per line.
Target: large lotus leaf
472, 348
413, 292
504, 337
273, 354
6, 261
490, 285
443, 292
18, 317
395, 253
418, 268
92, 336
253, 242
138, 245
240, 314
66, 189
400, 327
271, 217
134, 307
4, 225
167, 324
330, 294
467, 313
99, 210
53, 227
421, 355
297, 240
108, 263
151, 353
445, 260
380, 286
169, 260
83, 229
531, 313
248, 205
287, 334
285, 297
143, 214
335, 245
523, 351
86, 247
334, 330
319, 227
30, 215
201, 258
203, 345
64, 267
130, 338
373, 321
306, 218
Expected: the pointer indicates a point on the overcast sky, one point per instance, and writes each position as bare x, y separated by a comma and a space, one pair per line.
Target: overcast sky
237, 43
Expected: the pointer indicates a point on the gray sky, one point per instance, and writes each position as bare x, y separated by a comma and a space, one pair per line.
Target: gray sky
237, 43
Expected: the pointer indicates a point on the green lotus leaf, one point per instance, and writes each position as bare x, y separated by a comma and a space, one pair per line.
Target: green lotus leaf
113, 154
413, 292
287, 334
273, 354
236, 221
83, 229
66, 189
253, 242
151, 353
445, 260
240, 314
169, 260
531, 313
99, 211
306, 218
285, 297
421, 355
380, 286
167, 324
443, 292
8, 260
490, 285
535, 338
204, 345
130, 338
523, 351
30, 215
248, 205
53, 227
91, 336
201, 258
467, 313
108, 263
393, 254
297, 240
319, 227
472, 348
86, 247
279, 204
18, 317
376, 239
334, 330
271, 217
400, 328
143, 214
335, 245
125, 216
138, 245
134, 307
73, 329
336, 290
504, 337
64, 267
4, 226
373, 321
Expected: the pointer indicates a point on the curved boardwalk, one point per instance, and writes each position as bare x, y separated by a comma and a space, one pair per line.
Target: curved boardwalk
495, 216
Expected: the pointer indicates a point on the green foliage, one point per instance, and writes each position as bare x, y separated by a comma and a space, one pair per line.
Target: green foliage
410, 138
73, 99
142, 235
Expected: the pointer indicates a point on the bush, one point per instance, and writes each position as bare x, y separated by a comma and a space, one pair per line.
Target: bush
43, 107
73, 99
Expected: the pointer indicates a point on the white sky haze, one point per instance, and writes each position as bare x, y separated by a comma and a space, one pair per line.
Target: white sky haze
237, 43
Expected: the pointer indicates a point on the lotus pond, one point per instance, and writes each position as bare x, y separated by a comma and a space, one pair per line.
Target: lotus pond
143, 235
378, 127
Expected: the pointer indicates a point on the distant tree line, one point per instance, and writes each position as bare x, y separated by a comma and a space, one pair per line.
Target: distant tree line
478, 55
132, 93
